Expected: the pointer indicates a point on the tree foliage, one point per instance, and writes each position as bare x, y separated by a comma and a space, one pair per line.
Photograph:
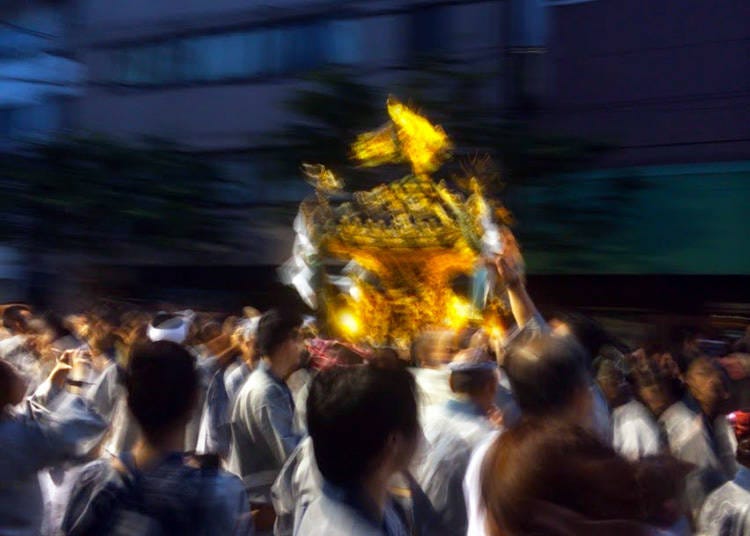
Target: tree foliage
339, 104
97, 195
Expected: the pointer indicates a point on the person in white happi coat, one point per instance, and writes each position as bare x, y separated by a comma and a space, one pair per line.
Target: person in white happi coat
452, 431
635, 432
33, 437
693, 434
726, 512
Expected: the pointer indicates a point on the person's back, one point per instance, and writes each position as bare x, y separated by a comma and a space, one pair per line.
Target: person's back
169, 498
364, 428
337, 513
151, 490
298, 484
549, 379
441, 467
541, 473
726, 512
452, 430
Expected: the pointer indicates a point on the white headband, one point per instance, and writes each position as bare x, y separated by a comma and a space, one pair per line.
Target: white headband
176, 334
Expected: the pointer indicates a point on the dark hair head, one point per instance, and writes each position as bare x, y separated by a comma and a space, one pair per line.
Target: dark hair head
207, 331
56, 325
350, 413
161, 382
546, 373
660, 374
274, 328
540, 460
13, 316
612, 382
471, 382
589, 333
657, 383
472, 371
665, 340
105, 343
387, 356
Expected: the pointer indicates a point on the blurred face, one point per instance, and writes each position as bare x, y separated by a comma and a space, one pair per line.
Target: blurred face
439, 348
291, 351
613, 388
707, 384
246, 347
655, 399
22, 323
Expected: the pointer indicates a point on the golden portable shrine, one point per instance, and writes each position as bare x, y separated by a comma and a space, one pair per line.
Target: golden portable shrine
402, 245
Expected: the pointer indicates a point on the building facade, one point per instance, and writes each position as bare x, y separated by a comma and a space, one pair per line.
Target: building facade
666, 85
38, 78
215, 76
666, 82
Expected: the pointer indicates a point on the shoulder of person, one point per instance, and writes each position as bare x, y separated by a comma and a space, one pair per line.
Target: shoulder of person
326, 517
228, 485
94, 492
265, 392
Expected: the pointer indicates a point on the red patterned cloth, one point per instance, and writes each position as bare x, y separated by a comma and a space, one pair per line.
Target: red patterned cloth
741, 422
323, 356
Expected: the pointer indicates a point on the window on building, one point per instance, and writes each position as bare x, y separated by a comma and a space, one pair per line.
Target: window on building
16, 43
162, 60
237, 55
257, 52
38, 120
303, 48
136, 66
345, 42
214, 57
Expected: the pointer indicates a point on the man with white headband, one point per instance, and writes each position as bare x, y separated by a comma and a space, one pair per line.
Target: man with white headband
108, 393
452, 430
169, 327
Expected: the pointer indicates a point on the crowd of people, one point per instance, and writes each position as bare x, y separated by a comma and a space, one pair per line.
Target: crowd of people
129, 422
